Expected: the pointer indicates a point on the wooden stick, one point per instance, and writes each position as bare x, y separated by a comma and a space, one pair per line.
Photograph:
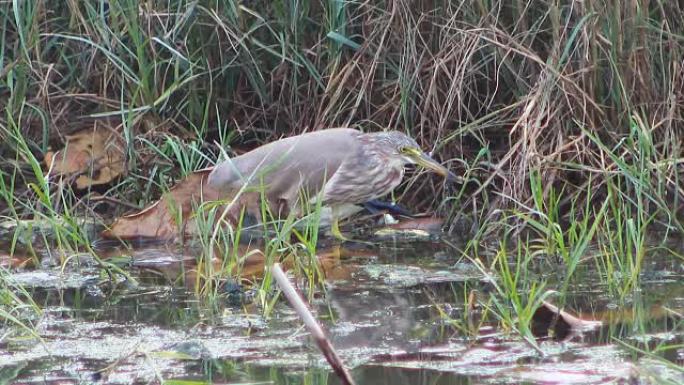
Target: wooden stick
310, 322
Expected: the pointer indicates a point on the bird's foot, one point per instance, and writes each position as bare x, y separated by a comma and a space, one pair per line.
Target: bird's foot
336, 233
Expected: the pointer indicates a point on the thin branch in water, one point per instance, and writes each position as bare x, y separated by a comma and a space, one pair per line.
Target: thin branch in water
310, 322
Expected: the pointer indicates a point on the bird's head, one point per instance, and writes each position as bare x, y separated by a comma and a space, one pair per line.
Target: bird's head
409, 152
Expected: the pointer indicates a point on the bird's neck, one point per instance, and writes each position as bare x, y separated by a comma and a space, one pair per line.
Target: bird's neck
374, 146
375, 156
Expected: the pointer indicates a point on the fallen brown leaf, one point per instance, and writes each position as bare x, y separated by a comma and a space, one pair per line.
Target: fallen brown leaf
160, 220
549, 320
9, 261
92, 156
432, 225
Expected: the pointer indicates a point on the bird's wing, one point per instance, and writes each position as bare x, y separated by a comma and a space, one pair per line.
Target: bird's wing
291, 165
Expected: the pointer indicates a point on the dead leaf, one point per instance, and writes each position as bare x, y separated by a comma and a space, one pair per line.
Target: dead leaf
333, 263
92, 156
173, 216
432, 225
13, 261
549, 320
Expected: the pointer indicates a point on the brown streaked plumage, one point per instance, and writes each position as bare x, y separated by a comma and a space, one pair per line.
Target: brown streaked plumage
342, 166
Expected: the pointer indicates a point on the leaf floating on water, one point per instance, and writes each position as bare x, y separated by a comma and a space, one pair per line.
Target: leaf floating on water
331, 262
414, 229
431, 225
91, 157
13, 261
408, 235
549, 320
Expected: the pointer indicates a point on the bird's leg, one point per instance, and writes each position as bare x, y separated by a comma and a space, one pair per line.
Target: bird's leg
335, 226
335, 229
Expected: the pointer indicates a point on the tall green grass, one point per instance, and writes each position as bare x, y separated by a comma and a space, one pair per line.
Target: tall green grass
578, 93
575, 74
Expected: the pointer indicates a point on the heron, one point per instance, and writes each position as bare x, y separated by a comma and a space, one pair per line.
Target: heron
340, 166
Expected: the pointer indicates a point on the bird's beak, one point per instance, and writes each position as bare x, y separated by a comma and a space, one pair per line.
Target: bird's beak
424, 160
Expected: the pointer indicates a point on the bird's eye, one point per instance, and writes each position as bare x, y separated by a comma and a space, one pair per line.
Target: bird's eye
403, 150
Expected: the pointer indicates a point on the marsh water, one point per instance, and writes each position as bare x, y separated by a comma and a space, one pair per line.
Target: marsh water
398, 313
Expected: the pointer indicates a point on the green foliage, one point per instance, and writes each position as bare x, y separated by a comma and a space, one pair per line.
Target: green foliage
560, 86
564, 117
